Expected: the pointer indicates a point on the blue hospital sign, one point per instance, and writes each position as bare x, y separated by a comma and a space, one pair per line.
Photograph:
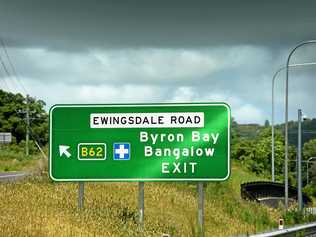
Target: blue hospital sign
121, 151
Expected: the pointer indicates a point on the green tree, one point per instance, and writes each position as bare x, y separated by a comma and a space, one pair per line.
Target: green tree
234, 127
256, 154
309, 149
12, 117
266, 123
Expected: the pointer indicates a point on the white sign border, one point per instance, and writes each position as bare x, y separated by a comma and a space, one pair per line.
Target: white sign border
140, 105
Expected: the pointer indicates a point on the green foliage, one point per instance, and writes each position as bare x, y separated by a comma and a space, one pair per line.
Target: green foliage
312, 173
234, 134
309, 149
247, 131
243, 149
12, 158
293, 217
310, 190
251, 144
308, 128
12, 117
255, 153
267, 123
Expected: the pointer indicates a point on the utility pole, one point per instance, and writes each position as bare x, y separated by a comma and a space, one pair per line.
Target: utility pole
27, 136
299, 159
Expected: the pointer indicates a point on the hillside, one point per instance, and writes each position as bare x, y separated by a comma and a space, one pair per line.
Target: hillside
250, 131
308, 130
40, 207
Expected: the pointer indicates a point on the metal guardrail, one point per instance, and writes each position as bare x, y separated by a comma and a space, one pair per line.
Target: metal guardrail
12, 176
299, 230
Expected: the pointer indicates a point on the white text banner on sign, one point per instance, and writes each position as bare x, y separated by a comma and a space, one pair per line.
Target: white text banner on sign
147, 120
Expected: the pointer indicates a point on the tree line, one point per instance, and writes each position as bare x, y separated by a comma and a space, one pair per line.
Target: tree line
13, 117
251, 144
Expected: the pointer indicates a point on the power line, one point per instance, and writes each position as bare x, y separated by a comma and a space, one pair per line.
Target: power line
4, 83
29, 130
5, 67
13, 68
6, 71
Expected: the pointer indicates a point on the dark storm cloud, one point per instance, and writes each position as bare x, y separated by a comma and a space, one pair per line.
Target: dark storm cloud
75, 25
155, 50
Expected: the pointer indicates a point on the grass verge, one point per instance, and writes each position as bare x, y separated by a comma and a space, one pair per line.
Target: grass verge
39, 207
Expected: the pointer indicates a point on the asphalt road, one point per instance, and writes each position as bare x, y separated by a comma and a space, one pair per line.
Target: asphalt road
12, 176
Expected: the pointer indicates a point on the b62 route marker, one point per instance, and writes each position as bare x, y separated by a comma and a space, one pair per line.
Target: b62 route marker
140, 142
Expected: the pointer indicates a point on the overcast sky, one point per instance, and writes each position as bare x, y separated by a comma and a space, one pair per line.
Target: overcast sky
161, 51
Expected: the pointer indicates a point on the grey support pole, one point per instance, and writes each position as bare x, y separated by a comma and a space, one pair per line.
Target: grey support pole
272, 127
286, 181
201, 209
80, 194
299, 160
141, 205
27, 135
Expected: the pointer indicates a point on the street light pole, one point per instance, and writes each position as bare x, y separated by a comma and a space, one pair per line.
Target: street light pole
286, 186
272, 119
299, 159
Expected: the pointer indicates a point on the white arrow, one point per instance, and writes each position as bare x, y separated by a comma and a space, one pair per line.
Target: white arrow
64, 150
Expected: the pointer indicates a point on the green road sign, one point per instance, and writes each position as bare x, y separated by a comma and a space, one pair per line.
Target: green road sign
140, 142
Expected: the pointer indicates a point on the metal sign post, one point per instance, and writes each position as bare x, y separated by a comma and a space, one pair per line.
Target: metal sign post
141, 204
201, 209
81, 195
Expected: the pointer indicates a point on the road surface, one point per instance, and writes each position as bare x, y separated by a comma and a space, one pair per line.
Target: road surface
12, 176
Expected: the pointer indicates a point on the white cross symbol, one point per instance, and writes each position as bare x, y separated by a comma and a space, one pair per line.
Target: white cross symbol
122, 151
